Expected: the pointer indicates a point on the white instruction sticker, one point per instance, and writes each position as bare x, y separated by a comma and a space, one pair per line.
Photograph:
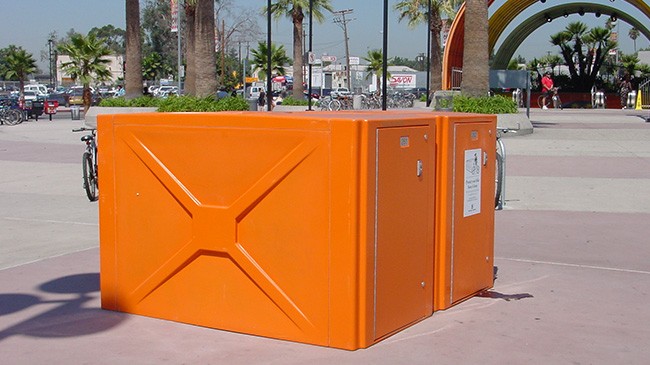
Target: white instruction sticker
472, 196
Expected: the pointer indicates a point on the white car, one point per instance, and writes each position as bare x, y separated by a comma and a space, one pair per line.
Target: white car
37, 88
165, 91
254, 92
340, 91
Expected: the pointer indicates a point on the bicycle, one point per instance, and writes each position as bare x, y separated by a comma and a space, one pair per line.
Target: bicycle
554, 99
9, 115
500, 170
89, 164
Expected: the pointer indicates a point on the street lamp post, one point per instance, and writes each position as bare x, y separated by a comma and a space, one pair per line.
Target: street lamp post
384, 71
311, 33
269, 94
49, 43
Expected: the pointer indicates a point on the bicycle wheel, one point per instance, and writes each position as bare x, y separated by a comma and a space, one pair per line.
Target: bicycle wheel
13, 117
498, 188
90, 176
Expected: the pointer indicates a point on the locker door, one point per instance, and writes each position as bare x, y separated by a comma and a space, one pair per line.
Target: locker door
404, 172
473, 234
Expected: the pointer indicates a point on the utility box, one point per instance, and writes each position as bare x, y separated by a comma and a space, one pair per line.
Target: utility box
310, 227
465, 188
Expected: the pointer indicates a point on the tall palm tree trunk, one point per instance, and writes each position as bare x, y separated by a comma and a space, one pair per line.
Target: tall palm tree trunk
476, 54
190, 49
206, 59
133, 72
435, 67
298, 89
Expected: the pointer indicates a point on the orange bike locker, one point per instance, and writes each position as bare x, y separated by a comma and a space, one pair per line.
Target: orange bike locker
317, 228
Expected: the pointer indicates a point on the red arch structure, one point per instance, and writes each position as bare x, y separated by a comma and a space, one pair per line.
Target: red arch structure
453, 56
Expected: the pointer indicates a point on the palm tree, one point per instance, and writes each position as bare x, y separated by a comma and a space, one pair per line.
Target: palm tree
475, 80
19, 64
295, 10
190, 67
597, 41
278, 59
634, 34
630, 63
416, 13
133, 72
576, 31
375, 59
88, 61
204, 43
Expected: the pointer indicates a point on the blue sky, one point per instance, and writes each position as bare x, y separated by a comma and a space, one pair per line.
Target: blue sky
27, 23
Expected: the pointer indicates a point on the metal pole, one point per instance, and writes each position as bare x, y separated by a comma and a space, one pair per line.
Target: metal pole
269, 94
49, 43
428, 53
311, 33
384, 71
178, 36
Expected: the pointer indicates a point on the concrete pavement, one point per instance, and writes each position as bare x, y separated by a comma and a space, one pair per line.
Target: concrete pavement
571, 246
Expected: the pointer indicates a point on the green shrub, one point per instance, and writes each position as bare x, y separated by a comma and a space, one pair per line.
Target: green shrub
232, 103
180, 103
484, 105
206, 104
114, 102
290, 100
121, 102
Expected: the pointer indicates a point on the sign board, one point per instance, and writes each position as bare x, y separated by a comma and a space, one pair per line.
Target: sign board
311, 58
174, 8
327, 58
612, 52
472, 191
354, 60
402, 81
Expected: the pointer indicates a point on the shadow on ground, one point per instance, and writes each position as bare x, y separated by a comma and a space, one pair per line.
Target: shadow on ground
65, 317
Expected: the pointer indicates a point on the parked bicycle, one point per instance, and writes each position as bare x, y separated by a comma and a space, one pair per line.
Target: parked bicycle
89, 164
500, 171
552, 99
9, 115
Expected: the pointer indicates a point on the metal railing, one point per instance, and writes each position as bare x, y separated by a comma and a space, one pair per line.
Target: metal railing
456, 78
644, 90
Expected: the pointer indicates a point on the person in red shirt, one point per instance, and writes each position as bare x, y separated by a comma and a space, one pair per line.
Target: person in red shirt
547, 87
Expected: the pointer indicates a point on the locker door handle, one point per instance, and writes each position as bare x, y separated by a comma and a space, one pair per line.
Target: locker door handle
420, 168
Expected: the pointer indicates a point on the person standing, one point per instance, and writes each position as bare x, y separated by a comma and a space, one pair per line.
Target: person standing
547, 88
261, 101
625, 88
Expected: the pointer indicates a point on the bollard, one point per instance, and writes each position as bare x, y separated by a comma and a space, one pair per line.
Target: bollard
75, 112
631, 99
599, 101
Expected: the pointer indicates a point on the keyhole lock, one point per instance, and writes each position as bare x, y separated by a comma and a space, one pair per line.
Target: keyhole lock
420, 168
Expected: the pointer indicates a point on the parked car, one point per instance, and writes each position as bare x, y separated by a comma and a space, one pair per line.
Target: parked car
75, 97
254, 92
33, 104
37, 88
340, 91
61, 98
165, 90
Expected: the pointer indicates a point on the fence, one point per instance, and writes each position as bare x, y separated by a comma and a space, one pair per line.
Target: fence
644, 90
456, 78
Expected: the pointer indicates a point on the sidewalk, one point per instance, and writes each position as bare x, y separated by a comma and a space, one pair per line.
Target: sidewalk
571, 249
